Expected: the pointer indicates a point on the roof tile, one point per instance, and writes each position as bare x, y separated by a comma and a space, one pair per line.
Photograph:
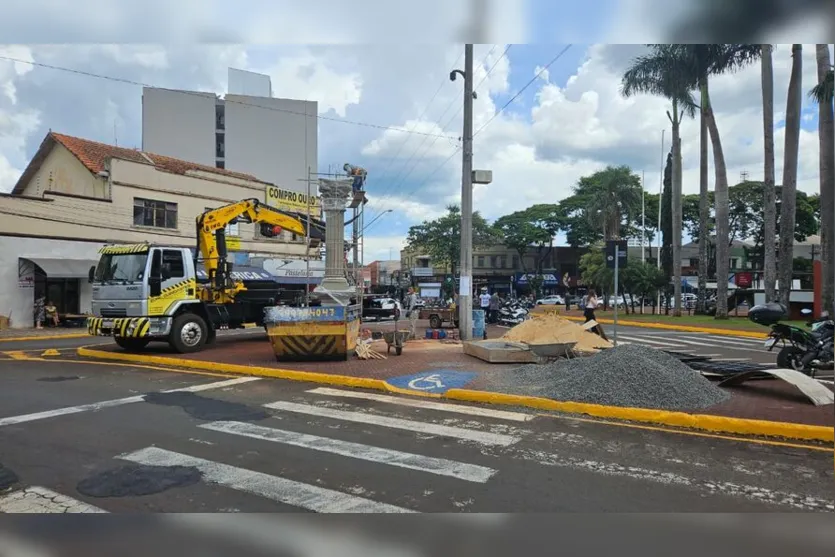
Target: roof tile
93, 155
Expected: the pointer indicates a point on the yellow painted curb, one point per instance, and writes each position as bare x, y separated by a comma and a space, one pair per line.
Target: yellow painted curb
682, 328
43, 337
706, 422
258, 371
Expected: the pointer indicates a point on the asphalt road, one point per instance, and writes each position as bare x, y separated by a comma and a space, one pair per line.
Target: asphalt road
87, 437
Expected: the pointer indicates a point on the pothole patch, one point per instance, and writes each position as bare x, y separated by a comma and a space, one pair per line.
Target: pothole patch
58, 378
208, 409
134, 480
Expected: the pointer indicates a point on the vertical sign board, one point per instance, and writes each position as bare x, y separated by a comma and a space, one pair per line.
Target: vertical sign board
288, 200
616, 259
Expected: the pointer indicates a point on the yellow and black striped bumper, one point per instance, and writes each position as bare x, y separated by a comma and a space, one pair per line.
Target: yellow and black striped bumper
133, 327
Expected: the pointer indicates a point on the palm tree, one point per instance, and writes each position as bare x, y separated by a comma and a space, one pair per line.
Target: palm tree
661, 73
614, 192
700, 62
789, 195
824, 94
769, 193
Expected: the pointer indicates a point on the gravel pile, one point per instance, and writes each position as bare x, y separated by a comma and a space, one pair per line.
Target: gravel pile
629, 376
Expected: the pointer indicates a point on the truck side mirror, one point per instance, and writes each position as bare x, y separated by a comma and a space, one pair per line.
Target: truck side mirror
91, 275
165, 272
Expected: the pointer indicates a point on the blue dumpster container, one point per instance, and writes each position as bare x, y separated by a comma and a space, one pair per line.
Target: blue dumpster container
478, 324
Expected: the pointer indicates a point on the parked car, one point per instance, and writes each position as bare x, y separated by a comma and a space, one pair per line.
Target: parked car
380, 308
552, 300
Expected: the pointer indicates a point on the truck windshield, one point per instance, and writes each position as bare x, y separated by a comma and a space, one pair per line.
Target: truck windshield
121, 267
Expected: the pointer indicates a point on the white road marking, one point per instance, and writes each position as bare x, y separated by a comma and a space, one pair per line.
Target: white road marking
440, 466
282, 490
41, 500
756, 493
96, 406
737, 340
720, 360
647, 341
693, 342
426, 404
483, 437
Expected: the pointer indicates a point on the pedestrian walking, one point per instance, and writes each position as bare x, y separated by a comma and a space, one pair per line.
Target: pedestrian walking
590, 304
495, 301
412, 312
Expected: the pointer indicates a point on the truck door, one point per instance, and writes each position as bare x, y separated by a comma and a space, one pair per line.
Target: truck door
175, 283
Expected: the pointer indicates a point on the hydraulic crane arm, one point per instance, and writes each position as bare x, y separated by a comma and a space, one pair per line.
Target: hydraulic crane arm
211, 238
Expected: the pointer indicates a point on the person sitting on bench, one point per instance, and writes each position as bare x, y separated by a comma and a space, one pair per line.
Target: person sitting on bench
51, 314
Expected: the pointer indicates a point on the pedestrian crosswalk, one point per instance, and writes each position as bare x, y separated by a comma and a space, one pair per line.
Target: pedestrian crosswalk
270, 435
346, 451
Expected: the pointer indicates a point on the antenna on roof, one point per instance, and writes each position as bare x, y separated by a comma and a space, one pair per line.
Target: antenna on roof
115, 137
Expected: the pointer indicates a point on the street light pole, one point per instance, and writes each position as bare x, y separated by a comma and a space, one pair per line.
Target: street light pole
465, 300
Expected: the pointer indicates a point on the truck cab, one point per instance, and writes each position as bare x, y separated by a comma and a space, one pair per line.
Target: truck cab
139, 291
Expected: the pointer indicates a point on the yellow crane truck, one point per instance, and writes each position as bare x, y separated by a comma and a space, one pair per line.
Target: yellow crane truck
148, 292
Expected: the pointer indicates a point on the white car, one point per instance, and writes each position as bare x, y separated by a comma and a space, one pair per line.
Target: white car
552, 300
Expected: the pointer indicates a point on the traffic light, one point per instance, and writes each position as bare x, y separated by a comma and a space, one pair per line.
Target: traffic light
270, 231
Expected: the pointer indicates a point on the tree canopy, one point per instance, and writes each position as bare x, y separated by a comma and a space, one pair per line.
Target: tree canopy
441, 238
533, 228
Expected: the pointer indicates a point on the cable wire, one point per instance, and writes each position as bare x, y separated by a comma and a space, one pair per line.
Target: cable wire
444, 126
522, 90
202, 95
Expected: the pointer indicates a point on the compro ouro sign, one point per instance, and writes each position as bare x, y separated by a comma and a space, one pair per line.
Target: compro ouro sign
289, 200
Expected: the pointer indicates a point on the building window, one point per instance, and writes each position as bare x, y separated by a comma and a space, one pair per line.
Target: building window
156, 214
173, 261
502, 261
220, 164
515, 261
219, 144
480, 262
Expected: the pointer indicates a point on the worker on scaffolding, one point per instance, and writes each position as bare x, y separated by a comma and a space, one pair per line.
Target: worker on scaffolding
358, 175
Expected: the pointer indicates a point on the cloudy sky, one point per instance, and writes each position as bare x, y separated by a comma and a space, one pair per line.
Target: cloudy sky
569, 122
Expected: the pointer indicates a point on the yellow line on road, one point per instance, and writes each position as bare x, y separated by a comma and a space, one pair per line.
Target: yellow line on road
118, 364
694, 433
43, 337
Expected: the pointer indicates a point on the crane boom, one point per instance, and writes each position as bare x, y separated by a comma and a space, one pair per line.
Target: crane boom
211, 239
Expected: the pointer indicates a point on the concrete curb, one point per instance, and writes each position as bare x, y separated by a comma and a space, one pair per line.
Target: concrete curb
703, 422
681, 328
43, 337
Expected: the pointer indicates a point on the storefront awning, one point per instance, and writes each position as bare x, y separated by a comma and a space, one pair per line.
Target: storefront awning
64, 268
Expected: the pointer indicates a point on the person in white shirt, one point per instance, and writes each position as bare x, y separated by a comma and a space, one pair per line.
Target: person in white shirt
484, 300
412, 312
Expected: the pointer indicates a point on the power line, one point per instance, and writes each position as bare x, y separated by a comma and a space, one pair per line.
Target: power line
438, 168
444, 81
202, 95
522, 90
443, 127
460, 107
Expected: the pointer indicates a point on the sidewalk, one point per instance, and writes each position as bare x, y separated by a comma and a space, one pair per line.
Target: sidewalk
770, 403
36, 334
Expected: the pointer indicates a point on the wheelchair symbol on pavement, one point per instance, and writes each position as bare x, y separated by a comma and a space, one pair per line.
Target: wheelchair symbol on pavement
427, 383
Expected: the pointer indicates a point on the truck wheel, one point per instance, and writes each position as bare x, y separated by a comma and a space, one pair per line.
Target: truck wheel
132, 344
789, 358
188, 333
211, 335
435, 322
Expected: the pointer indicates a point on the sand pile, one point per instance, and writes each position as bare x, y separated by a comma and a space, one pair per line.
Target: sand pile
552, 329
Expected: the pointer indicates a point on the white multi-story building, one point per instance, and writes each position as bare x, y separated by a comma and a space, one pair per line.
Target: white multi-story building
274, 139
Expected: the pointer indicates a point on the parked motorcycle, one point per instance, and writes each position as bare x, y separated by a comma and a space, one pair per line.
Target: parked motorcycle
512, 313
804, 350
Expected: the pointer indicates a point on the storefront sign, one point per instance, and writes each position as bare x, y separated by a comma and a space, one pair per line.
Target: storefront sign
744, 280
288, 200
548, 279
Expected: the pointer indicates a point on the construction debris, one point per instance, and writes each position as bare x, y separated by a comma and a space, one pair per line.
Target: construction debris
365, 352
628, 376
547, 328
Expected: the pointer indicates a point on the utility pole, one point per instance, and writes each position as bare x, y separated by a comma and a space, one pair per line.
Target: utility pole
465, 300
